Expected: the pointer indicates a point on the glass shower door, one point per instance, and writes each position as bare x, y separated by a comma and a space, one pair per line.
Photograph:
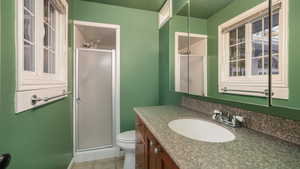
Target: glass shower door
94, 99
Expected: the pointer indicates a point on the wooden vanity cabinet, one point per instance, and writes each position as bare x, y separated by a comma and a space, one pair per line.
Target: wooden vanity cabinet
141, 146
165, 162
149, 153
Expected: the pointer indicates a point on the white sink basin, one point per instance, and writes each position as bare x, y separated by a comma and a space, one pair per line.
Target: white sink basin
201, 130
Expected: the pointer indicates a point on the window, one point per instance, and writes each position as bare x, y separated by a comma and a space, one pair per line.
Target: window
49, 37
244, 50
237, 45
29, 46
41, 50
260, 45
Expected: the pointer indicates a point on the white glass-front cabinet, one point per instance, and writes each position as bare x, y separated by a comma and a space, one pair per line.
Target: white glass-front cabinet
41, 35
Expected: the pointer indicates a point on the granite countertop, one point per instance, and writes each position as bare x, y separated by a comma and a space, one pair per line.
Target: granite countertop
250, 149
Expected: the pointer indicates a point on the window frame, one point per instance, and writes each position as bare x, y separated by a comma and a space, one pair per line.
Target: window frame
165, 13
177, 61
37, 82
251, 82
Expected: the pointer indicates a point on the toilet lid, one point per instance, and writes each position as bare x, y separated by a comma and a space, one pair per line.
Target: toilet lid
128, 136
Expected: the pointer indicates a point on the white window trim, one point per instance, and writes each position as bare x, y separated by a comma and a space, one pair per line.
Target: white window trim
165, 13
251, 83
177, 62
38, 83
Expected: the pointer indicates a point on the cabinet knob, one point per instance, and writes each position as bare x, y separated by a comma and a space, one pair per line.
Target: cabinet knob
151, 143
156, 150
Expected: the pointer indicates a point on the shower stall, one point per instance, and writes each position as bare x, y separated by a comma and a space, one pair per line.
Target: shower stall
96, 100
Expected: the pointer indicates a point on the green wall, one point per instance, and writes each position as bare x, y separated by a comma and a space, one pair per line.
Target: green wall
139, 53
166, 96
39, 138
294, 57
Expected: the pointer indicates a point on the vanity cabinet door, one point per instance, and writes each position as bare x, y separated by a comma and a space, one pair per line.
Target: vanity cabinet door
149, 153
152, 157
165, 162
140, 153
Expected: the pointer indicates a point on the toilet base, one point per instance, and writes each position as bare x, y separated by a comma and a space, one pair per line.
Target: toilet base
129, 162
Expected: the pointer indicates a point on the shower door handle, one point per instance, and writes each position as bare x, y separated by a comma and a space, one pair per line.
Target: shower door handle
78, 99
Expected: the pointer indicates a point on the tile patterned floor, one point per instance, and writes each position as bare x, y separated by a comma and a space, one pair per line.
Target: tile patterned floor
101, 164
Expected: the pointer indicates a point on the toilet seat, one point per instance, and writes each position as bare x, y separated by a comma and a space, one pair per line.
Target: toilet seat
127, 137
126, 141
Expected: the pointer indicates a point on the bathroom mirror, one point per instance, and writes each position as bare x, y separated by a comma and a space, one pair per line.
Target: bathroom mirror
173, 42
285, 54
228, 44
180, 47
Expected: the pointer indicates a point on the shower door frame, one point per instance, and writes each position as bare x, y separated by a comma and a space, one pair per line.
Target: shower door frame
77, 97
94, 153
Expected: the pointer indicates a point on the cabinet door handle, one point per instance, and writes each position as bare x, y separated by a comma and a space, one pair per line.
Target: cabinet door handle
151, 143
77, 99
156, 150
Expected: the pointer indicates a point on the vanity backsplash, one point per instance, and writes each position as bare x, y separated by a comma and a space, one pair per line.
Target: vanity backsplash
288, 130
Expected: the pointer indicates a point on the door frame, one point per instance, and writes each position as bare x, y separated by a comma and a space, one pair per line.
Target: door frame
114, 151
177, 60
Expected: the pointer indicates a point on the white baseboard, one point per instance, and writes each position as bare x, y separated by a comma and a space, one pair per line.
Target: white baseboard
71, 164
92, 155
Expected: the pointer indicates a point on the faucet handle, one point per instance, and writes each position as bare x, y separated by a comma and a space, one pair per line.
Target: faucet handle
237, 121
239, 118
214, 117
218, 112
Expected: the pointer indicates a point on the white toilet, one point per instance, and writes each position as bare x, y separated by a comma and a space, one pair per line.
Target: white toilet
126, 141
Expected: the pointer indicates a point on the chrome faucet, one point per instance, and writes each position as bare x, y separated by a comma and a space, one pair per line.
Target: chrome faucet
232, 121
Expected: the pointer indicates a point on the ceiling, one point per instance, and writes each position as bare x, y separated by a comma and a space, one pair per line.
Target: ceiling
199, 8
206, 8
152, 5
